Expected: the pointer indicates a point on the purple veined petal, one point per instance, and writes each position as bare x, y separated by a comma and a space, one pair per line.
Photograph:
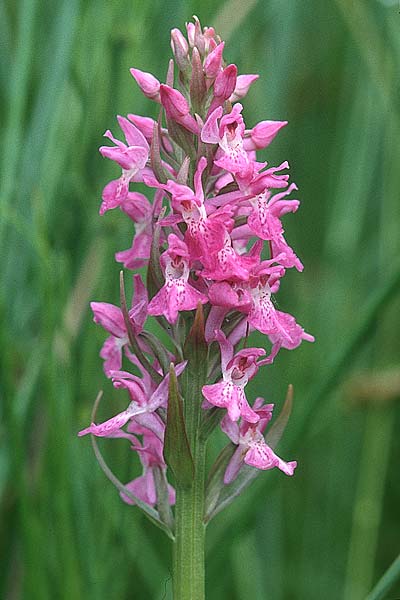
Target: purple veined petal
160, 395
213, 63
144, 124
138, 311
214, 320
263, 133
138, 255
134, 385
112, 425
137, 207
261, 456
243, 406
293, 332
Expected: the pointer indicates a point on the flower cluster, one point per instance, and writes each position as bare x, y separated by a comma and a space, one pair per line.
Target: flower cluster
212, 236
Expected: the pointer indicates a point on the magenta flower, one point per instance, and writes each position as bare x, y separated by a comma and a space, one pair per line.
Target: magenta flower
151, 457
131, 157
264, 221
139, 209
228, 131
236, 371
111, 319
252, 448
177, 293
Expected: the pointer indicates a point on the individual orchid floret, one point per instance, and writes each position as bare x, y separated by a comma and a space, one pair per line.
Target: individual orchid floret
146, 398
177, 108
149, 85
176, 294
280, 327
151, 457
252, 449
204, 234
131, 157
237, 370
242, 87
293, 335
227, 264
110, 317
264, 221
262, 134
227, 131
254, 181
139, 209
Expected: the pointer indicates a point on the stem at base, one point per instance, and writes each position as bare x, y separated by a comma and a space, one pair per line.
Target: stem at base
188, 559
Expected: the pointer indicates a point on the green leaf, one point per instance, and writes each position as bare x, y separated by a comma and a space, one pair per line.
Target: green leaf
386, 582
177, 452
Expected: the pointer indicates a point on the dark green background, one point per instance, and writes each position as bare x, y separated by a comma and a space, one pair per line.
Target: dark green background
331, 69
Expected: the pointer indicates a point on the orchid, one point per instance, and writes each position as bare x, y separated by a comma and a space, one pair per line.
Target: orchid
208, 228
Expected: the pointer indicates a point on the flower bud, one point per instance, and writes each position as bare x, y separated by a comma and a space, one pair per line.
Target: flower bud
225, 82
243, 84
262, 134
149, 85
180, 49
213, 64
197, 82
177, 108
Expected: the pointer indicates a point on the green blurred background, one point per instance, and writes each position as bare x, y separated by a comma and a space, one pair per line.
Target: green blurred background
331, 69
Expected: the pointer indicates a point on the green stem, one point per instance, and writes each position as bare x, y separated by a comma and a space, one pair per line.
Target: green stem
188, 560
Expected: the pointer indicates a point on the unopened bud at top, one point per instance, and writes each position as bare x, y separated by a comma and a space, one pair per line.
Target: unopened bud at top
180, 48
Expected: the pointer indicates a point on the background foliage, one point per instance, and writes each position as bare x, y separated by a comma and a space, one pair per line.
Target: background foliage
330, 69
